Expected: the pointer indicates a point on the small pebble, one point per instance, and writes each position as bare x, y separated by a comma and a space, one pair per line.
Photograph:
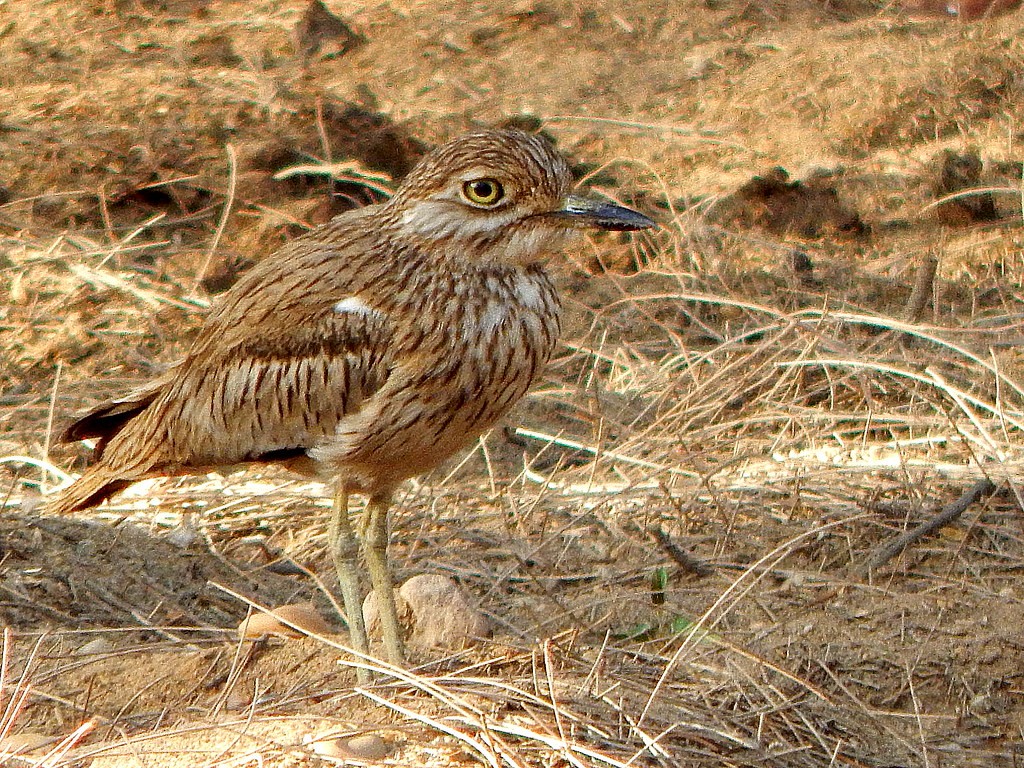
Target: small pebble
302, 615
96, 646
367, 746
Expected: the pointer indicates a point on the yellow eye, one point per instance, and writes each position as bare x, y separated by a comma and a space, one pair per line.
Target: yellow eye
484, 192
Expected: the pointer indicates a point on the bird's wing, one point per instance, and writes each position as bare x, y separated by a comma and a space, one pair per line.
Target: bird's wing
248, 391
107, 418
286, 389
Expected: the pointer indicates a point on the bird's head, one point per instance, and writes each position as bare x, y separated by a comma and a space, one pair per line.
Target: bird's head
501, 196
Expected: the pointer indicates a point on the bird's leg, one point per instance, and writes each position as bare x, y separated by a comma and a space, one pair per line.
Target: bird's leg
375, 550
345, 551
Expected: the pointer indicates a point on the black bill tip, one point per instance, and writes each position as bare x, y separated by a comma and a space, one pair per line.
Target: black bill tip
591, 213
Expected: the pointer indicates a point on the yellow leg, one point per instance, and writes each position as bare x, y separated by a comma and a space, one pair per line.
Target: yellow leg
375, 550
345, 552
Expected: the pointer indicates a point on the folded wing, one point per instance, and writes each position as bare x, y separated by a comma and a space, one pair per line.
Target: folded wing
239, 396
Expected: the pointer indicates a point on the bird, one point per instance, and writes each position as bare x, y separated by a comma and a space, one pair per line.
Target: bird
368, 350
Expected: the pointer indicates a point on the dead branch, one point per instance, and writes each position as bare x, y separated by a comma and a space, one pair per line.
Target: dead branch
947, 515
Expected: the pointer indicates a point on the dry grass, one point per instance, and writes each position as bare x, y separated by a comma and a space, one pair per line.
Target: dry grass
675, 536
782, 446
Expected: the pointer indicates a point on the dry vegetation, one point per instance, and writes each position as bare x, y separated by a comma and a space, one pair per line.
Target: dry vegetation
681, 536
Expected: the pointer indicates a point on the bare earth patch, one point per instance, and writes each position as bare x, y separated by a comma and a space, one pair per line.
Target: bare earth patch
683, 540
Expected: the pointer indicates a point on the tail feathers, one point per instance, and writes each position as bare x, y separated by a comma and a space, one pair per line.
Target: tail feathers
97, 484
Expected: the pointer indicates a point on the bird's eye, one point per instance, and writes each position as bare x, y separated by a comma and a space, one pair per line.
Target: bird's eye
483, 192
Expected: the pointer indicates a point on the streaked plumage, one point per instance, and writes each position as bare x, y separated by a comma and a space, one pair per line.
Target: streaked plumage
371, 348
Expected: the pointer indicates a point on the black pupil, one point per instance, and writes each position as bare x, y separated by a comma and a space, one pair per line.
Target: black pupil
483, 189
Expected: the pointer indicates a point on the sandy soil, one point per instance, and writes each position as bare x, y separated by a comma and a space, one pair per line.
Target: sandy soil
772, 384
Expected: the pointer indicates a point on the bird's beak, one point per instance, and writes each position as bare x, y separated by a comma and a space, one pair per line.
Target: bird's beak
590, 213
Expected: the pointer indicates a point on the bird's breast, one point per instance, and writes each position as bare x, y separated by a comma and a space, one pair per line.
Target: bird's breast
468, 355
500, 329
508, 331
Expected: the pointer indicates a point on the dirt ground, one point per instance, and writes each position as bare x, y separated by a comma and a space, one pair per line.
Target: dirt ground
680, 537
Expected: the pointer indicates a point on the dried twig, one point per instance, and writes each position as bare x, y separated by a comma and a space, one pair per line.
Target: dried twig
679, 556
947, 515
923, 287
225, 214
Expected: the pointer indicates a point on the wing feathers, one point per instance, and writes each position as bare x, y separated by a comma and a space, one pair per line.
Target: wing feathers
263, 396
107, 418
284, 391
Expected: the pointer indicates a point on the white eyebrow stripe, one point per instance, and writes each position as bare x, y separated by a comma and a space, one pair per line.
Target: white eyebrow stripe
353, 305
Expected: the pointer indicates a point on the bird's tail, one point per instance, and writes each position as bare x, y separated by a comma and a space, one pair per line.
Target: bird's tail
124, 431
98, 483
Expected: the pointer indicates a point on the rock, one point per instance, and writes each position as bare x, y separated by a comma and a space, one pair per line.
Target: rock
96, 646
961, 172
700, 67
367, 747
436, 611
320, 30
303, 615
